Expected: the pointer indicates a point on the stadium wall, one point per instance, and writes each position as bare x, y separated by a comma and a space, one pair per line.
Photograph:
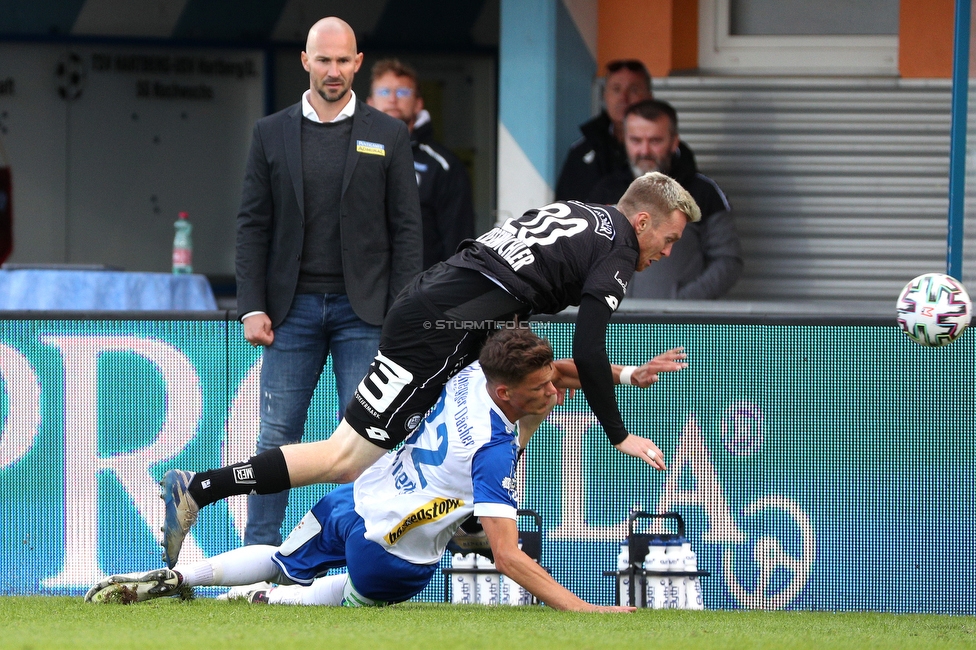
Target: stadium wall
818, 464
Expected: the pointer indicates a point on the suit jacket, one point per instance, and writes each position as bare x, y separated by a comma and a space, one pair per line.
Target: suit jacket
379, 221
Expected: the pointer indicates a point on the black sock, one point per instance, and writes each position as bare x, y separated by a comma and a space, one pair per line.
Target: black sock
266, 473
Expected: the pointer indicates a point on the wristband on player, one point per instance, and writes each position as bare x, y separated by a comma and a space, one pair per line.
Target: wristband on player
625, 374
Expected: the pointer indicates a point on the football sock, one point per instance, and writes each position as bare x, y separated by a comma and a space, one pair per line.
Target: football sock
242, 566
324, 591
196, 574
352, 598
289, 595
328, 590
266, 473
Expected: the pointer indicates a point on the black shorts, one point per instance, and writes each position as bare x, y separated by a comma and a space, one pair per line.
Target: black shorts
435, 328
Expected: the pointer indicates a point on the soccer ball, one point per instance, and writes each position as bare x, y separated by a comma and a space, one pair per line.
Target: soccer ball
934, 309
71, 76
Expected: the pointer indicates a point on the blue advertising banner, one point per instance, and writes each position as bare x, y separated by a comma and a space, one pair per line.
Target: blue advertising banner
816, 467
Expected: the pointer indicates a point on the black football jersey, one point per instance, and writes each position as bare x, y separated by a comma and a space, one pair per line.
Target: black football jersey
551, 256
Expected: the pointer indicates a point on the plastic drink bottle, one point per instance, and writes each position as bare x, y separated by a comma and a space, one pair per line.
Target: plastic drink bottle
623, 580
183, 245
656, 586
693, 587
675, 562
488, 583
463, 585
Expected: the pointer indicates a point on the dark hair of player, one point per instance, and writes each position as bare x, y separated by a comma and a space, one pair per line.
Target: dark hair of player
511, 355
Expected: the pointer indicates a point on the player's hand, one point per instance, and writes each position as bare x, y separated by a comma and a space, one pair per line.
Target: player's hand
563, 394
613, 609
670, 361
257, 330
643, 449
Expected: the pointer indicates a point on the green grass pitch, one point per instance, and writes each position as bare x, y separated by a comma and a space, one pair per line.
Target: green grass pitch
61, 622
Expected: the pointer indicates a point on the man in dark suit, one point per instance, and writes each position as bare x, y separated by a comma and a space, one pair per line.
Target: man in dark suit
328, 234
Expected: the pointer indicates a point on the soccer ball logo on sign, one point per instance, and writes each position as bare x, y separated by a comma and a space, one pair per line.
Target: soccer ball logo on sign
934, 309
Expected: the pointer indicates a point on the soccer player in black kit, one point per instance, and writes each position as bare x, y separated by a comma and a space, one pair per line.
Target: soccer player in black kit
566, 253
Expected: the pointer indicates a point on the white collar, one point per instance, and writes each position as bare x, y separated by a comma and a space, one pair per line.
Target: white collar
347, 111
422, 118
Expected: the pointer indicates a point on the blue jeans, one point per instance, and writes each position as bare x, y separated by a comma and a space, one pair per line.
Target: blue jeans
316, 325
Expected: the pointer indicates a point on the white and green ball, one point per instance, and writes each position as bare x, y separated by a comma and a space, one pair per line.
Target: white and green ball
934, 309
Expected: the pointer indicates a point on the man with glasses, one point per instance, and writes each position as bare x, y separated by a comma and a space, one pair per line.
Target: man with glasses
600, 151
445, 191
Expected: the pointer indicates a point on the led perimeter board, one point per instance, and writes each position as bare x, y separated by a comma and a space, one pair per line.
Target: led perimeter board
817, 466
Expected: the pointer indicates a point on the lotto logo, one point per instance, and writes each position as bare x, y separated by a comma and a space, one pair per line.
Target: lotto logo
377, 433
244, 475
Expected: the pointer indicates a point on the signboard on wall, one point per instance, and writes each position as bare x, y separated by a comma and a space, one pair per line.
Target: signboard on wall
109, 143
816, 467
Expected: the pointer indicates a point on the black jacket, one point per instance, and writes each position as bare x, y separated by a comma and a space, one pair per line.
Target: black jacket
707, 261
380, 223
595, 155
445, 196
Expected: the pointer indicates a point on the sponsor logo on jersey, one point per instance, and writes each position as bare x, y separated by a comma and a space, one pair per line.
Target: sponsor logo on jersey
377, 434
414, 421
401, 480
511, 485
431, 511
244, 475
604, 222
623, 285
372, 148
512, 250
613, 302
461, 422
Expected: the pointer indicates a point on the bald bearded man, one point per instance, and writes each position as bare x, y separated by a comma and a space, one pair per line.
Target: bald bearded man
328, 233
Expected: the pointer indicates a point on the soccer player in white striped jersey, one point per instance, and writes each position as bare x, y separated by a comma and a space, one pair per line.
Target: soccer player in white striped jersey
391, 526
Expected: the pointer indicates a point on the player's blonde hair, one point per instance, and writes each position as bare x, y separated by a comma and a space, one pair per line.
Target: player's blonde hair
658, 195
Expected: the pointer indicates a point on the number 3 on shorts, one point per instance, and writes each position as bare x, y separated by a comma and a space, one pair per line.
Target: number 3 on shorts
385, 381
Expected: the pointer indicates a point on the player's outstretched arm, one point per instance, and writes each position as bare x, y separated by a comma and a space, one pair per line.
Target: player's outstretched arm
642, 449
642, 376
514, 563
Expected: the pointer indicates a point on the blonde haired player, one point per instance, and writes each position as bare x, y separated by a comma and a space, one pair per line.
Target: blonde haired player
542, 262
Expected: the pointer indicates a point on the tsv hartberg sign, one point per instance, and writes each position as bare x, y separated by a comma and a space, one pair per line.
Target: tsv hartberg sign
816, 468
